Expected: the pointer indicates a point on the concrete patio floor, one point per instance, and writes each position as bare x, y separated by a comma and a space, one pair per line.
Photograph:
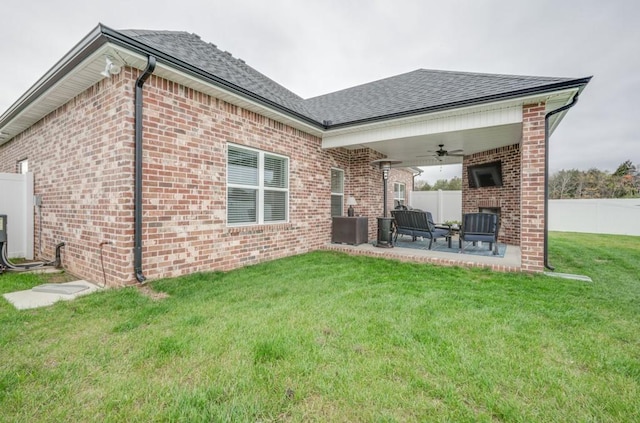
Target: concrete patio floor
511, 261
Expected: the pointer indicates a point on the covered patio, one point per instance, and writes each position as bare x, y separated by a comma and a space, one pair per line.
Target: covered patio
508, 129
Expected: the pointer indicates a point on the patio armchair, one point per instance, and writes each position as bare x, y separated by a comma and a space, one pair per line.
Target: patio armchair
417, 223
482, 227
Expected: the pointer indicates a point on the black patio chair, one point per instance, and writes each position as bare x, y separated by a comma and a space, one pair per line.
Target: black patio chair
482, 227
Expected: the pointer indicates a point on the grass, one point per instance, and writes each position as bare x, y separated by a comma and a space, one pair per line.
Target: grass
329, 337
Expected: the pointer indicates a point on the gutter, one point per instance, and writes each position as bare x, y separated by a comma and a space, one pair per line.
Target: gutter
137, 197
546, 176
564, 85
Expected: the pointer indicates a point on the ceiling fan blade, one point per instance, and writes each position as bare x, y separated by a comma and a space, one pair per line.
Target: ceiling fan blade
456, 151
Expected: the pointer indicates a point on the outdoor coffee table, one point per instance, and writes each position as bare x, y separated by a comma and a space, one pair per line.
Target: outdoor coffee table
453, 230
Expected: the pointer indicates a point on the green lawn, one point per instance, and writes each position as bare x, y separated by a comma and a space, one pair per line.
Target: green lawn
329, 337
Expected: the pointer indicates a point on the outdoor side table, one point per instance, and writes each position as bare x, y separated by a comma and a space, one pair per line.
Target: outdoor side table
350, 230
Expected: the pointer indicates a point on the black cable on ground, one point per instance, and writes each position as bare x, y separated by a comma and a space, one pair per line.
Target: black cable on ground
6, 263
104, 275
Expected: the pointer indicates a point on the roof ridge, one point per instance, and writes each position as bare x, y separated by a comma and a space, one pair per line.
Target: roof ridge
141, 32
493, 75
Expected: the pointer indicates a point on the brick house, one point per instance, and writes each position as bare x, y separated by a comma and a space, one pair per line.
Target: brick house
169, 156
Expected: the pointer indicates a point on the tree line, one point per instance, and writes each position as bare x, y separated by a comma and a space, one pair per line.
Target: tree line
594, 183
453, 184
564, 184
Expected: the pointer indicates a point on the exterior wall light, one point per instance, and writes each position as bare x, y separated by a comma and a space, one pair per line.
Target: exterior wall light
110, 68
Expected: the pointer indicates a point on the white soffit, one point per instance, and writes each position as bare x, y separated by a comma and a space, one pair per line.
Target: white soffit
554, 103
430, 124
83, 76
503, 114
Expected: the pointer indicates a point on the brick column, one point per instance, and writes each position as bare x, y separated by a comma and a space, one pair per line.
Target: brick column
365, 182
532, 188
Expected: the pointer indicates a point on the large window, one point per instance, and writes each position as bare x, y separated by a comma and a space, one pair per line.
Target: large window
337, 192
399, 194
257, 187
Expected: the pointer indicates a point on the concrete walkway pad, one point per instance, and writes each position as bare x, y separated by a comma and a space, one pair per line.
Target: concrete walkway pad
48, 294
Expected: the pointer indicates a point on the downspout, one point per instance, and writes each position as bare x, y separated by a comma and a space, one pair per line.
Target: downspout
137, 197
546, 176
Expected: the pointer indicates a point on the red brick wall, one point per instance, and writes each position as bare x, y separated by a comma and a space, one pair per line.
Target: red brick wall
533, 181
185, 144
364, 182
506, 197
82, 159
81, 156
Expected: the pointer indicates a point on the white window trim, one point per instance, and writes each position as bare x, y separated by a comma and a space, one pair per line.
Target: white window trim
23, 166
260, 188
341, 194
403, 199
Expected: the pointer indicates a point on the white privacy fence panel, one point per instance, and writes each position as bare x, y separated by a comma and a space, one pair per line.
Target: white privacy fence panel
443, 205
16, 201
600, 216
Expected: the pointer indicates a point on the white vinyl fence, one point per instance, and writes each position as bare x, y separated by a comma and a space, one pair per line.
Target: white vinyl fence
445, 206
16, 201
600, 216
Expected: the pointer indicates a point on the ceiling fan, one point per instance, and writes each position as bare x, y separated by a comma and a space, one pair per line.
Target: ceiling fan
444, 153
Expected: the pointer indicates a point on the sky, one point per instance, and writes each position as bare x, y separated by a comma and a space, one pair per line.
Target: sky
315, 47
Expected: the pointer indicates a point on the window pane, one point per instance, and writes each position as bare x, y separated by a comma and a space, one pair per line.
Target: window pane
242, 166
275, 206
241, 205
398, 191
336, 205
275, 172
337, 181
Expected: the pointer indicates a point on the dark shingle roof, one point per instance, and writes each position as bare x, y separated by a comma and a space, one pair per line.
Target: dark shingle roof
191, 49
413, 92
421, 90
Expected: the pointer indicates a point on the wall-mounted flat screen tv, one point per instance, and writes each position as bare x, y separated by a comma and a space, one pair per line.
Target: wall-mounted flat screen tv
485, 175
